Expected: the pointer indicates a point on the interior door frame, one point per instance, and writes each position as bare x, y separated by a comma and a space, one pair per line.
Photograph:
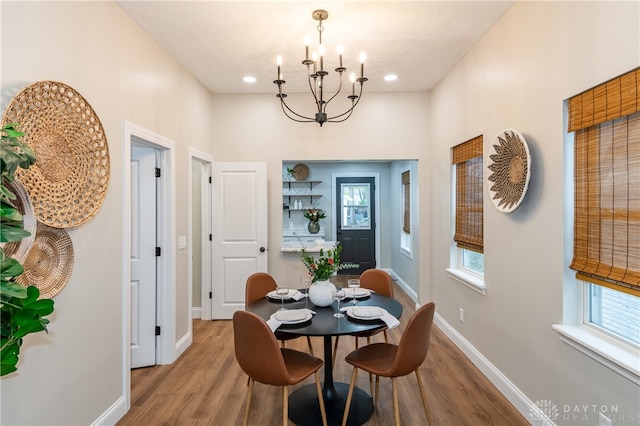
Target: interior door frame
206, 246
166, 266
334, 190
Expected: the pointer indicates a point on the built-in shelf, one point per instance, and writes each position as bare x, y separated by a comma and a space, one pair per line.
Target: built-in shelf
298, 190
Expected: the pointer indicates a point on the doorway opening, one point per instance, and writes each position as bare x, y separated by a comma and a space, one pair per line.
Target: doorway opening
200, 235
163, 152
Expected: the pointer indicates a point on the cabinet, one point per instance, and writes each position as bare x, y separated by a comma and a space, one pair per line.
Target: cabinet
299, 195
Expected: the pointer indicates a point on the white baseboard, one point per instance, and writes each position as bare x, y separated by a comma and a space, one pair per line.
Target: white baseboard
407, 289
196, 313
183, 344
524, 405
113, 414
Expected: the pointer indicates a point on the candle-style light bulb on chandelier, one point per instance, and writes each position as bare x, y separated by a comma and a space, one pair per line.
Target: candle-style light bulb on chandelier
316, 75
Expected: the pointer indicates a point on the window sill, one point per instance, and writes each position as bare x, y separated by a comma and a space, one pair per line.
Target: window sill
406, 252
474, 283
608, 351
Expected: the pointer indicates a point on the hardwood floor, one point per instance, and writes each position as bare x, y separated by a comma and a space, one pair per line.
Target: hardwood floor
205, 386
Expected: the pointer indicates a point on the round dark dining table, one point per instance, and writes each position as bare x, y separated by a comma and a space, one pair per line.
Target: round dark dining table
304, 409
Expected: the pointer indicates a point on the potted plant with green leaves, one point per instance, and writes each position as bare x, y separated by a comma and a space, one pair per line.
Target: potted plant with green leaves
21, 310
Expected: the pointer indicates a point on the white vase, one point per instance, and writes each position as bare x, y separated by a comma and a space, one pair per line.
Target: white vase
321, 293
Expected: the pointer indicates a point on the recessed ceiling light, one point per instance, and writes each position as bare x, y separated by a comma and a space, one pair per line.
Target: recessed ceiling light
249, 79
390, 77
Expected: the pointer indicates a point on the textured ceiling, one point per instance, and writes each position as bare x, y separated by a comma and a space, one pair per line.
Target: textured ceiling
220, 42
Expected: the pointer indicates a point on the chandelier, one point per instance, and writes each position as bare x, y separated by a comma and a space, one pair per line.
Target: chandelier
316, 75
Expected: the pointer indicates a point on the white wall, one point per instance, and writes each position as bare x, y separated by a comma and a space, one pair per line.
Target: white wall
74, 374
517, 76
253, 128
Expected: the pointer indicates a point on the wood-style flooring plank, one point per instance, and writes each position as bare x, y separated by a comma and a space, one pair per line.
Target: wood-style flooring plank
206, 387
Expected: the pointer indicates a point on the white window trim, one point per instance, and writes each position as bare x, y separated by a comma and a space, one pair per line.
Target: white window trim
609, 351
407, 251
473, 281
457, 272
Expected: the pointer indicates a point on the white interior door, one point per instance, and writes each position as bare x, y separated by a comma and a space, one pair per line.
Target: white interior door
239, 232
143, 257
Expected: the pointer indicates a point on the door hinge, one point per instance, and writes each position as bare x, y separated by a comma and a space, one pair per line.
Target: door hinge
158, 173
157, 330
158, 251
210, 237
210, 295
209, 179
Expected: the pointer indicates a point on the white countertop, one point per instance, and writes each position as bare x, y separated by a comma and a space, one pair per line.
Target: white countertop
295, 246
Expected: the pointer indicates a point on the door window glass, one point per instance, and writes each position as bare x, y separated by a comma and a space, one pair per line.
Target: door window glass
355, 206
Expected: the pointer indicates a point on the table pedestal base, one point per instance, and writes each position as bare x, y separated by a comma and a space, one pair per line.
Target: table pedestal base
304, 409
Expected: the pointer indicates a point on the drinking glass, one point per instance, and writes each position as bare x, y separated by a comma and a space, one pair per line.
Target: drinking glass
305, 282
354, 283
282, 292
338, 295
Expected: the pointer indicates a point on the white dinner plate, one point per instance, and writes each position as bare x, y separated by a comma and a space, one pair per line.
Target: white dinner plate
292, 292
292, 316
360, 292
365, 312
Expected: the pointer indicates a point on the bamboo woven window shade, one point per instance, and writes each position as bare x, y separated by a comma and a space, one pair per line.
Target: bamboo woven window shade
467, 157
406, 188
606, 122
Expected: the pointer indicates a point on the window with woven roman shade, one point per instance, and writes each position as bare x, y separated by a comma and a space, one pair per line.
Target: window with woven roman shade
467, 158
606, 122
406, 196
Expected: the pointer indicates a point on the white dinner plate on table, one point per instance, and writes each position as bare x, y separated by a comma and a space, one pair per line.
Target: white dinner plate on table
292, 292
292, 316
365, 312
359, 292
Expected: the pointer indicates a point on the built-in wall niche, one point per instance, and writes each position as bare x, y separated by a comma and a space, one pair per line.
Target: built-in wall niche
302, 188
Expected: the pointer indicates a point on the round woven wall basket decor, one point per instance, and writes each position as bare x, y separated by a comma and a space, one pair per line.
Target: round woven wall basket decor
49, 262
19, 249
68, 183
508, 170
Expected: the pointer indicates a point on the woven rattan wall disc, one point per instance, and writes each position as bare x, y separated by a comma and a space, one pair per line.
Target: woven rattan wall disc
19, 249
508, 170
69, 181
49, 262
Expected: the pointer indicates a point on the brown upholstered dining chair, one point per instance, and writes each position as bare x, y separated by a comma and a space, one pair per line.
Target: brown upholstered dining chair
263, 361
389, 360
256, 288
381, 283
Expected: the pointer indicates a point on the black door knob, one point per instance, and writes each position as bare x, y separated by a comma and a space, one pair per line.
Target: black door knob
262, 249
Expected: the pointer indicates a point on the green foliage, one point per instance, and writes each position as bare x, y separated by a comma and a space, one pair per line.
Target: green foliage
20, 316
314, 215
21, 312
323, 267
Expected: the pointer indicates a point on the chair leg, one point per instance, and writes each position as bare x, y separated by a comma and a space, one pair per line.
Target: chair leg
386, 337
248, 401
323, 411
396, 411
349, 396
375, 401
371, 384
424, 399
309, 343
335, 350
285, 405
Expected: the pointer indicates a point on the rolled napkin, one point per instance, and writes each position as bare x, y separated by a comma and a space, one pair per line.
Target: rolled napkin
389, 320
